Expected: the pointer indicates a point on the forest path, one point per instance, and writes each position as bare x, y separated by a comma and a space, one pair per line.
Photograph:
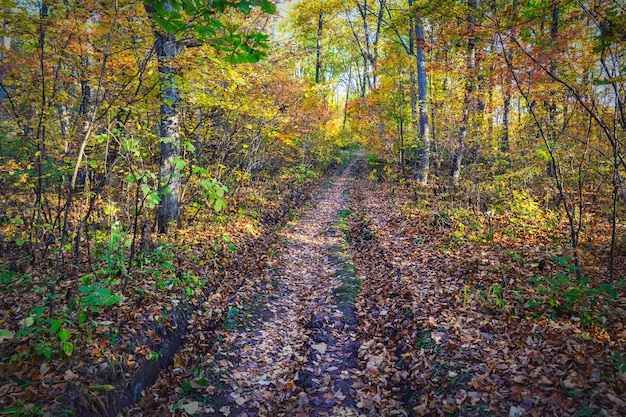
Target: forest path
300, 359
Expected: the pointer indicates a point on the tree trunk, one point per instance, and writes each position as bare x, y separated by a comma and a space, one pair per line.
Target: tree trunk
550, 105
413, 81
169, 130
504, 143
318, 61
459, 153
347, 101
424, 132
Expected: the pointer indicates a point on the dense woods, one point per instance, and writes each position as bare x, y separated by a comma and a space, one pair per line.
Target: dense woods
151, 151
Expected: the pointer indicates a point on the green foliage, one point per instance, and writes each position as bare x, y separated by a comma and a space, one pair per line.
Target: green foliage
562, 294
146, 181
94, 296
6, 334
619, 360
112, 251
13, 278
524, 208
343, 221
202, 18
155, 356
22, 410
424, 339
348, 291
232, 318
493, 298
213, 191
48, 335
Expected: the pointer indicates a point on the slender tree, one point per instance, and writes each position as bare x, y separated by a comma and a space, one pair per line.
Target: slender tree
176, 17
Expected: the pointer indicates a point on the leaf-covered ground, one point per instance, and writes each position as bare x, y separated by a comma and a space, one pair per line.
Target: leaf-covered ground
373, 301
434, 330
288, 345
452, 339
119, 347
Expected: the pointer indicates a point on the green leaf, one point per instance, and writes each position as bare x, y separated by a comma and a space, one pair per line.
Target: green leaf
6, 334
199, 170
186, 386
232, 247
64, 335
268, 7
153, 199
103, 292
101, 388
68, 348
27, 321
219, 204
587, 412
56, 325
112, 300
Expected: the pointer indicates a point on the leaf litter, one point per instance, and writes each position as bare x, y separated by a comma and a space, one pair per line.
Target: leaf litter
409, 339
432, 346
288, 345
411, 342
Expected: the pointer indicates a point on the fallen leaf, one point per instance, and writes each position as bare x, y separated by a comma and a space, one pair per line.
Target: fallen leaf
320, 347
191, 408
44, 368
374, 362
70, 376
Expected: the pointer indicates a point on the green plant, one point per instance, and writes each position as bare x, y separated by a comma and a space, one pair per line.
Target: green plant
8, 277
112, 251
94, 296
563, 294
424, 339
493, 298
48, 335
213, 191
155, 356
343, 221
22, 410
513, 255
347, 292
441, 219
231, 318
619, 361
524, 207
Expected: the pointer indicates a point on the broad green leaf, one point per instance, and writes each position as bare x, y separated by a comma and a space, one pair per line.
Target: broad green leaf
219, 204
6, 334
64, 335
112, 300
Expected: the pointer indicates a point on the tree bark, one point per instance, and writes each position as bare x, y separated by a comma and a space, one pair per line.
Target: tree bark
318, 61
459, 153
505, 145
424, 132
167, 48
